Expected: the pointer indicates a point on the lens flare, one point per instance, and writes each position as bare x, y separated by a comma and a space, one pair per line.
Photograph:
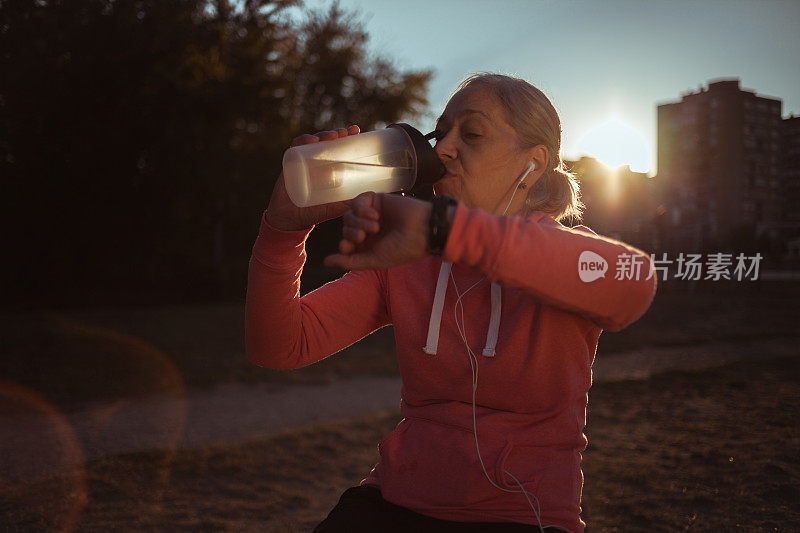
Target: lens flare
42, 464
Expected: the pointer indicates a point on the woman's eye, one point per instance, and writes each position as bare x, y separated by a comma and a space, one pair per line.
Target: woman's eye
436, 135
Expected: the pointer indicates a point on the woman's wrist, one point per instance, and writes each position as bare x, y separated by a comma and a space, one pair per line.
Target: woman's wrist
442, 213
284, 225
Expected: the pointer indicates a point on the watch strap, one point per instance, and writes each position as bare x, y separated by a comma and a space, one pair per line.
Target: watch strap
439, 224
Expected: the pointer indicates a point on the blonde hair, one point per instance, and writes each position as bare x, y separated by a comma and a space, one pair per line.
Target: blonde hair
533, 117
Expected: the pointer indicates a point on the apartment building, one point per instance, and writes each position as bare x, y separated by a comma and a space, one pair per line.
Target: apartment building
719, 160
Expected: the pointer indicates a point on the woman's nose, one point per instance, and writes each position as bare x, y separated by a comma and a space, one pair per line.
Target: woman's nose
445, 147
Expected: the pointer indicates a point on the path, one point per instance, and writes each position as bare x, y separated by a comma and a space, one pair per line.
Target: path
238, 412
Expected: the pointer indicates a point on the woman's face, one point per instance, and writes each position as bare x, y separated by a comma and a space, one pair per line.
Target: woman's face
481, 152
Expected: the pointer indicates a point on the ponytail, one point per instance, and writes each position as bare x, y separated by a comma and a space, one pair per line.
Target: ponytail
557, 194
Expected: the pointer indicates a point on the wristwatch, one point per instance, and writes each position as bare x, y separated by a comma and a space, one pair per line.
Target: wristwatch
439, 224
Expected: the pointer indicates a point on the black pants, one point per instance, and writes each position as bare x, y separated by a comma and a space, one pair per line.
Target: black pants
363, 508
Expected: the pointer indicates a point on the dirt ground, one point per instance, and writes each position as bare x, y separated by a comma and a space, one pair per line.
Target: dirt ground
78, 357
716, 450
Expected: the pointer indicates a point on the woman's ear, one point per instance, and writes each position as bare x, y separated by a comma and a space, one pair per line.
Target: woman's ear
539, 156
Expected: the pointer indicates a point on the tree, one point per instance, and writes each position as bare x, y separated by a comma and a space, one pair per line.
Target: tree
139, 139
334, 82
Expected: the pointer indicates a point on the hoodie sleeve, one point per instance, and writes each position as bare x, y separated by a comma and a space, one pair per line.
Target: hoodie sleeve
283, 330
560, 266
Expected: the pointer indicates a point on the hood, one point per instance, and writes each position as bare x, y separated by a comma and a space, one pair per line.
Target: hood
445, 274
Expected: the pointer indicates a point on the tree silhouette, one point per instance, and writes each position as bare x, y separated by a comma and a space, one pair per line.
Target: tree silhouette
140, 139
331, 73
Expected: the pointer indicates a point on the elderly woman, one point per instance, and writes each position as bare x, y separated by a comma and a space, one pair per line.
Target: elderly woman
495, 323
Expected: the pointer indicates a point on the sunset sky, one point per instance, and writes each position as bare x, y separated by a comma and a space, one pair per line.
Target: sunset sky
605, 64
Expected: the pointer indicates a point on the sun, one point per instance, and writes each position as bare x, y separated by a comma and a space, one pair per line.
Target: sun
615, 144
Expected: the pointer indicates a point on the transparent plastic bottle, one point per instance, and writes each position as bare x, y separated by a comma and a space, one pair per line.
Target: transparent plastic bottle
385, 160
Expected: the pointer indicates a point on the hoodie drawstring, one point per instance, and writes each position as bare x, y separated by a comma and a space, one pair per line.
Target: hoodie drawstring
434, 325
436, 311
494, 321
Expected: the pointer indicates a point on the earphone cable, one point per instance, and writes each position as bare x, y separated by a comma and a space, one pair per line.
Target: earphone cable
473, 363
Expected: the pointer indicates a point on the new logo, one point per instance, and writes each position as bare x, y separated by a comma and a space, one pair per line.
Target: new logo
591, 266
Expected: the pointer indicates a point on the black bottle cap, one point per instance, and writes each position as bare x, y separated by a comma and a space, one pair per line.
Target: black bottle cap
430, 168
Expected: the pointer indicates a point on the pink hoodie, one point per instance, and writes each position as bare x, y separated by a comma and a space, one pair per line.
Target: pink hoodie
534, 332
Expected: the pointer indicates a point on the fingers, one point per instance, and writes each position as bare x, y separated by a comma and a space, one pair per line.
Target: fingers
337, 260
311, 139
354, 226
367, 204
360, 224
360, 221
363, 208
305, 139
362, 216
346, 247
354, 235
327, 135
355, 231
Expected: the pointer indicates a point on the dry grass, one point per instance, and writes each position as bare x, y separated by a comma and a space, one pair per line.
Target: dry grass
712, 451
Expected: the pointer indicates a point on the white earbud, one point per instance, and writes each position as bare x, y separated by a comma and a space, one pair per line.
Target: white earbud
531, 168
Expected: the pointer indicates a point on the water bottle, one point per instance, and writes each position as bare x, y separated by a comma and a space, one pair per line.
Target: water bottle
397, 158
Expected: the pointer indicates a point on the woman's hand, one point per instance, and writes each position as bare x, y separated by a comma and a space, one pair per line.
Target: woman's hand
382, 231
282, 214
